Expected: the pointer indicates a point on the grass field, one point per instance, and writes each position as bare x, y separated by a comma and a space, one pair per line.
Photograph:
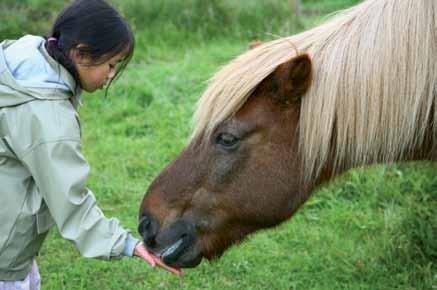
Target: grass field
370, 229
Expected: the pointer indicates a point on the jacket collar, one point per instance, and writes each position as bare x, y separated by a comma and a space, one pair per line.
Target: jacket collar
28, 94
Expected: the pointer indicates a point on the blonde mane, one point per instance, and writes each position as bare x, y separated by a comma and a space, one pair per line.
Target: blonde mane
374, 88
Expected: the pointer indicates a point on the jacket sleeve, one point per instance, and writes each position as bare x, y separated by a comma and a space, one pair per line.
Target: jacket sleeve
61, 172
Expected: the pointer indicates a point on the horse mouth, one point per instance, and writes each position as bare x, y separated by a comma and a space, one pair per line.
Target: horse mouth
182, 254
176, 244
168, 251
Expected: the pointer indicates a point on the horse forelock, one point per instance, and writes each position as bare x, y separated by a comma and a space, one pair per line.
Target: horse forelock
374, 87
232, 85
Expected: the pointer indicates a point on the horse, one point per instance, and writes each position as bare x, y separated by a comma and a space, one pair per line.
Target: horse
290, 115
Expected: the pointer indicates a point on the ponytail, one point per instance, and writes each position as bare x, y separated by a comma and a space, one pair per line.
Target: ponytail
53, 46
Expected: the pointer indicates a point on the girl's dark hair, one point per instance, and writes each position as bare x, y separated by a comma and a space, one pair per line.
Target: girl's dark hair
99, 27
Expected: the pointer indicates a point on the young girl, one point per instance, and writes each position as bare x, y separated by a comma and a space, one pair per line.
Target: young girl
43, 173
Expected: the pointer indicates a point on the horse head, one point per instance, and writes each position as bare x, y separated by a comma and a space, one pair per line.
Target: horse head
234, 180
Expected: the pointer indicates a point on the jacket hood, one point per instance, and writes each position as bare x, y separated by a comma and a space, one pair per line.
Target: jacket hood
28, 72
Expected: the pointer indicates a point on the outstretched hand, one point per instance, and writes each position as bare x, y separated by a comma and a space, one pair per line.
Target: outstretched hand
141, 252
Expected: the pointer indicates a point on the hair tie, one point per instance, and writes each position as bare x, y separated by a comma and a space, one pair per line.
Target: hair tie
52, 39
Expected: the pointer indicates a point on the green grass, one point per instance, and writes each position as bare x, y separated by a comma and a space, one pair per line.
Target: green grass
370, 229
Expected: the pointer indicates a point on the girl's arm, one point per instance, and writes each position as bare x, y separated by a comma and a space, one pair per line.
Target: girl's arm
61, 172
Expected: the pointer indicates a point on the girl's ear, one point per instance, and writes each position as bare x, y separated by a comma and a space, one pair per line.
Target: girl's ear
77, 54
292, 79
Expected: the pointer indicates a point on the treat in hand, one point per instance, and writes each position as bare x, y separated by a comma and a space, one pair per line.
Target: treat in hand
142, 252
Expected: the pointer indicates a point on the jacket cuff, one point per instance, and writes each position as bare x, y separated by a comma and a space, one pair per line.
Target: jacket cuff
129, 246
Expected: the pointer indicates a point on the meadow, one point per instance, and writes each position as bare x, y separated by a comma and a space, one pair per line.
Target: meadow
372, 228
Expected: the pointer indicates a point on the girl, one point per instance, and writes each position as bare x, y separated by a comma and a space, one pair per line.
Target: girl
43, 173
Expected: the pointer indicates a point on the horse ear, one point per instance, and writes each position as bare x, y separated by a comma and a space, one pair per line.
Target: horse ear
292, 79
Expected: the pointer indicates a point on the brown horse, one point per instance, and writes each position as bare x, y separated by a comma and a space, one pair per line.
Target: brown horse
291, 114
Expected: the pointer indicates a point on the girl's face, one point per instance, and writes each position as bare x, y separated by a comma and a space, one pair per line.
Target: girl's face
96, 76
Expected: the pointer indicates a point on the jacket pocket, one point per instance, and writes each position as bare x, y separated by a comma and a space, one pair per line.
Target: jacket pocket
27, 238
18, 250
44, 220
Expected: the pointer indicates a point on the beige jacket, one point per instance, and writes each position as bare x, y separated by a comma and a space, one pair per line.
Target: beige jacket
43, 173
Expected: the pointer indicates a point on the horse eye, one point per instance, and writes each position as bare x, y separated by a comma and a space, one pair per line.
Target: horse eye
227, 141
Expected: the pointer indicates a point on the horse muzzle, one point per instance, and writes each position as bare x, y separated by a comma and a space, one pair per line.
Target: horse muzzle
175, 244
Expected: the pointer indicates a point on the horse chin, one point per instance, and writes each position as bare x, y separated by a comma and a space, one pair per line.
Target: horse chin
213, 256
188, 260
213, 246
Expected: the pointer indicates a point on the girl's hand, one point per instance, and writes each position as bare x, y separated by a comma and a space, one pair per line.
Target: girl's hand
141, 251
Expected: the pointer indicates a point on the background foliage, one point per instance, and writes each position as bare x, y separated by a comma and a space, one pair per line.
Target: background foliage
371, 229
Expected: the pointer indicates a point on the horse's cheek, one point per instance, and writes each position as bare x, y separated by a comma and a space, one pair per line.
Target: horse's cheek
222, 170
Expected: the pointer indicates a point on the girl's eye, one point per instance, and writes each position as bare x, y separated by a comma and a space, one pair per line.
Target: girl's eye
227, 141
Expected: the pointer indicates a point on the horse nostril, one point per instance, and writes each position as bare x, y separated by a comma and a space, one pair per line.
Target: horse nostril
148, 228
